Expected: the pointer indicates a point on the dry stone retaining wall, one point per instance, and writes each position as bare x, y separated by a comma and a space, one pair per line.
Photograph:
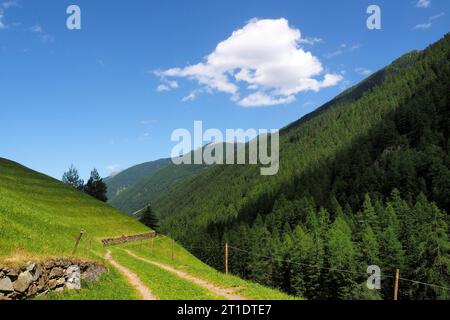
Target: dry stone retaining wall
38, 279
125, 239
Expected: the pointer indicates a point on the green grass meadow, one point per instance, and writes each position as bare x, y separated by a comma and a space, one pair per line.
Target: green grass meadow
40, 218
160, 250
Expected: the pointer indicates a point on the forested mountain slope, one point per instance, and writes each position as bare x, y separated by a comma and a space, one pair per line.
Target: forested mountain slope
363, 180
125, 179
149, 187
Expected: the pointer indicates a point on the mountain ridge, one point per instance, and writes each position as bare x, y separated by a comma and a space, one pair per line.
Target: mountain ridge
391, 130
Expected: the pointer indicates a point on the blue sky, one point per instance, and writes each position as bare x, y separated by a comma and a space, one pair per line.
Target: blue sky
90, 97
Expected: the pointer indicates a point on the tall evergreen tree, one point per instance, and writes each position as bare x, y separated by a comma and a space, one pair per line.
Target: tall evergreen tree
432, 263
370, 249
95, 186
341, 254
71, 177
149, 218
392, 258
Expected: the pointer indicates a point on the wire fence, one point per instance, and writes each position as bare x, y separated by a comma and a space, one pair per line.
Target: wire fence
87, 240
321, 267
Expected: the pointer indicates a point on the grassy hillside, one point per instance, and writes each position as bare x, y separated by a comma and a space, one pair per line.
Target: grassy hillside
125, 179
161, 250
40, 218
365, 173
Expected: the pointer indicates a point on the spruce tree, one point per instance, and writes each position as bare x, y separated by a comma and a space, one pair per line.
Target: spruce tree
95, 186
370, 249
341, 254
149, 219
432, 264
305, 265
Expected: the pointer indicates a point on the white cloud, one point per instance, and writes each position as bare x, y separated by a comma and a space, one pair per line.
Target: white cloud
423, 26
261, 99
310, 41
355, 47
437, 16
3, 7
166, 85
363, 71
343, 48
36, 29
162, 87
430, 22
2, 24
264, 58
113, 169
190, 97
333, 54
423, 3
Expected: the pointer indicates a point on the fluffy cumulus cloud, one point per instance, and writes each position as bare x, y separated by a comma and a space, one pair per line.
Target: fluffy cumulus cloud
261, 64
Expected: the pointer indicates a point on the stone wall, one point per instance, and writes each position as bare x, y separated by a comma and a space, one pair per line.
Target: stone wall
38, 279
125, 239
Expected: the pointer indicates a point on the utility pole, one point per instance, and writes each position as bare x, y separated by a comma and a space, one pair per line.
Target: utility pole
226, 257
397, 274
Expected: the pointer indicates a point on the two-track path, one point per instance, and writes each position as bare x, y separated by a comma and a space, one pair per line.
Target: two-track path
226, 293
133, 278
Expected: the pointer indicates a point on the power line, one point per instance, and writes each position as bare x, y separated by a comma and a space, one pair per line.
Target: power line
303, 264
326, 268
344, 271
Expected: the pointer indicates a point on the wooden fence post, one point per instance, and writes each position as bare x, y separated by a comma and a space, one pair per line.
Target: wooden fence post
151, 251
397, 274
88, 243
173, 247
226, 257
77, 242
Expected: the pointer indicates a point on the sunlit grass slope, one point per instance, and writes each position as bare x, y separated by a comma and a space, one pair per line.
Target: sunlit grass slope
41, 217
160, 250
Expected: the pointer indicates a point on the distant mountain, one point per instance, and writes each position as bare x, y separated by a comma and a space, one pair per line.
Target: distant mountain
150, 186
138, 186
125, 179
